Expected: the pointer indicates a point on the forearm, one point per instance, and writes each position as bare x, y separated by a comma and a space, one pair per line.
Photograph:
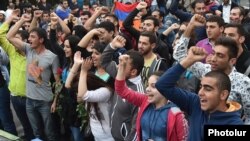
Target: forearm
85, 40
72, 74
107, 63
12, 32
190, 28
33, 23
65, 28
167, 31
91, 21
186, 62
82, 86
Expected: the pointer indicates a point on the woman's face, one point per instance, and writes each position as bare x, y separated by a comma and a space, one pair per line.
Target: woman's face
67, 49
96, 57
154, 96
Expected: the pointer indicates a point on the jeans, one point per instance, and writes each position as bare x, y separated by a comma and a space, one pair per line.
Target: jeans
38, 112
6, 116
19, 105
76, 133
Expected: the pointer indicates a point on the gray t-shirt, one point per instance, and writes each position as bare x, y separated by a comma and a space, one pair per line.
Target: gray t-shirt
49, 62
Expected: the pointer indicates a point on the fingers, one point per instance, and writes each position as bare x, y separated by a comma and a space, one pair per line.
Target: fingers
121, 39
198, 50
141, 5
87, 64
200, 18
123, 59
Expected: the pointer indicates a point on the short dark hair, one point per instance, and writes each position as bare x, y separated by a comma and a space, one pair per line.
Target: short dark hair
41, 33
151, 35
109, 26
160, 12
23, 33
219, 20
230, 44
113, 16
239, 27
99, 46
242, 10
86, 13
155, 21
137, 60
193, 4
223, 81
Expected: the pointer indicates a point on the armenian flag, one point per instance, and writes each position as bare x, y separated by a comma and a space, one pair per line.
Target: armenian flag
122, 10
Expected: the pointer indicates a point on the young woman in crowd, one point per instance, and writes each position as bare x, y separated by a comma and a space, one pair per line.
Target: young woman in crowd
97, 93
158, 118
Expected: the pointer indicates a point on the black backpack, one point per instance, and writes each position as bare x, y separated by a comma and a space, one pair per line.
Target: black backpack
2, 81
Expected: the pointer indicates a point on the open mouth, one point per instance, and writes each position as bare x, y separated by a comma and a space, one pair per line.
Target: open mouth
203, 101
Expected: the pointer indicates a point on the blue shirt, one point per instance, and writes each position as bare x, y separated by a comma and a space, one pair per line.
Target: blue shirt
154, 123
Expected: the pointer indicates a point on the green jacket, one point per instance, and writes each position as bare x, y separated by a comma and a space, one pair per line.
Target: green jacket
17, 84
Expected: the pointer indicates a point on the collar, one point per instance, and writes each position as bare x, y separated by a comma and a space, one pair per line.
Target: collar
136, 80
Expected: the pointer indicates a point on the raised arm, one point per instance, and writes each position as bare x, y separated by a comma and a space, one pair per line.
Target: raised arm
180, 50
4, 43
82, 86
74, 70
121, 88
18, 43
128, 22
34, 22
91, 21
107, 62
183, 16
166, 84
65, 28
86, 39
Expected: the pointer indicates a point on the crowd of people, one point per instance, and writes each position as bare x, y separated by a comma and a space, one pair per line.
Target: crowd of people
77, 71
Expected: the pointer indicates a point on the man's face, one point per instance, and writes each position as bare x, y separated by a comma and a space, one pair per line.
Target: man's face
199, 8
84, 18
209, 94
220, 59
144, 46
213, 30
156, 14
46, 17
105, 36
34, 40
235, 16
233, 33
65, 4
26, 25
85, 8
148, 25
